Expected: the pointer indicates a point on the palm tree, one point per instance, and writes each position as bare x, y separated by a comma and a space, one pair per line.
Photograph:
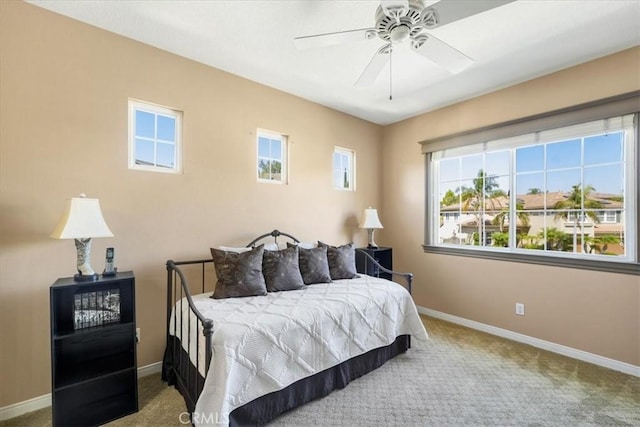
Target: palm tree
485, 189
500, 218
556, 240
600, 244
578, 200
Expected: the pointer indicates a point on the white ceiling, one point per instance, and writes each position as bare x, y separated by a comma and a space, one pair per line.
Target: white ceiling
254, 39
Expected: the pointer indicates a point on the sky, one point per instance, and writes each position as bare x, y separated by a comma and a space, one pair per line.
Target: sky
596, 161
146, 135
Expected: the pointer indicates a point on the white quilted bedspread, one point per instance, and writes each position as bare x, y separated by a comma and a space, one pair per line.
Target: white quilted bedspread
263, 344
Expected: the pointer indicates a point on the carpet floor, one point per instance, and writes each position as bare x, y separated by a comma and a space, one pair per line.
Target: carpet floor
461, 377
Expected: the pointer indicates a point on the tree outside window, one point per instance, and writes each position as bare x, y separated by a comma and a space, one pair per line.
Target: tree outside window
271, 166
343, 169
565, 195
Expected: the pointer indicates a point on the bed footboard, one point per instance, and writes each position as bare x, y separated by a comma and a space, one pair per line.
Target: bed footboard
407, 277
178, 367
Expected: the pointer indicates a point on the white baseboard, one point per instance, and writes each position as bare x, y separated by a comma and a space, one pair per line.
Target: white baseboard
20, 408
153, 368
36, 403
584, 356
43, 401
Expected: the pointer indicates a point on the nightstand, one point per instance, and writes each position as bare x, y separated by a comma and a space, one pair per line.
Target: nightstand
383, 255
93, 350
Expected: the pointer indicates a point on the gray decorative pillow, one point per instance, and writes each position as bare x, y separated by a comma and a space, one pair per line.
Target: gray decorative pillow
281, 270
239, 274
314, 265
342, 261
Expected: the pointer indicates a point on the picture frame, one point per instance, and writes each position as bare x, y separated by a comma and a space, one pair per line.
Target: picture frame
96, 308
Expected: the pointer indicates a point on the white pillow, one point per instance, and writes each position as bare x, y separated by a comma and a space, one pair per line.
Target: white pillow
308, 245
305, 245
232, 249
273, 246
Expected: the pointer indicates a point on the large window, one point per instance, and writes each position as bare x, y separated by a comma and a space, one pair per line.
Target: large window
154, 137
567, 193
272, 151
344, 169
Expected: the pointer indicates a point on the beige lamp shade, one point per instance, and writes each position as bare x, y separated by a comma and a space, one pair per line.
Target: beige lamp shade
82, 219
370, 219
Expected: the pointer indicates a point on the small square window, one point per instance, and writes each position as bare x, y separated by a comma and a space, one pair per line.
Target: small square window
154, 137
272, 157
344, 169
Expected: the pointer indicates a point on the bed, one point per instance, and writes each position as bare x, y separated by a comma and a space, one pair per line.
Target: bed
244, 361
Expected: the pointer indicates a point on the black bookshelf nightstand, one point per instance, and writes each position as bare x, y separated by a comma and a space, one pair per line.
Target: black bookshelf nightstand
93, 350
383, 255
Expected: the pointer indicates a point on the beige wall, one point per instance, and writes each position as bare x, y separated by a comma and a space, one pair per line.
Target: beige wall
591, 311
63, 131
64, 90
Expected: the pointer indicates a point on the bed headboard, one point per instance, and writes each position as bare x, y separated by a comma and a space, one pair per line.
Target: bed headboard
275, 234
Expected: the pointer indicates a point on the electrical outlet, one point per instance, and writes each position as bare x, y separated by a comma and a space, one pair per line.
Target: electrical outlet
137, 334
519, 309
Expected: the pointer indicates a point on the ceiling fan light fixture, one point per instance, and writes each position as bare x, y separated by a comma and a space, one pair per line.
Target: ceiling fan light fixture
400, 33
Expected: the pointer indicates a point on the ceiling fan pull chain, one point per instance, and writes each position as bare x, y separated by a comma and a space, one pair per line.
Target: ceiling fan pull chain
391, 72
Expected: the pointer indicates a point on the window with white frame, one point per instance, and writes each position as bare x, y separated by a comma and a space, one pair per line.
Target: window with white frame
272, 157
344, 169
154, 137
568, 192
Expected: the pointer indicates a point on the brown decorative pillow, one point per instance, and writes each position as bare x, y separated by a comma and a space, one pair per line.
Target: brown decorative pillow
239, 274
314, 265
342, 261
281, 270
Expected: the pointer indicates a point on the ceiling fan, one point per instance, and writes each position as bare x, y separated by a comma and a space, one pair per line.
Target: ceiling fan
398, 21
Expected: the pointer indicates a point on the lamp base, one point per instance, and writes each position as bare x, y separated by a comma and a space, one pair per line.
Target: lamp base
85, 277
85, 272
372, 243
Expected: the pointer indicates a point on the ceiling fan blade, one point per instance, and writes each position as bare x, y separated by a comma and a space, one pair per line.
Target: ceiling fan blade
391, 8
441, 53
448, 11
330, 39
375, 66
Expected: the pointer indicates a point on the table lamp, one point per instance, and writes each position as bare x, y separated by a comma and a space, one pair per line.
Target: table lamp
82, 220
370, 221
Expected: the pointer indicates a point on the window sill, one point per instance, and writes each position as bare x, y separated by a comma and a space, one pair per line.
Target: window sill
582, 264
169, 171
271, 181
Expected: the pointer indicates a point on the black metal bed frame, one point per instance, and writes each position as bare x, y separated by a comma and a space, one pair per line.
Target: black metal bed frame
185, 385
